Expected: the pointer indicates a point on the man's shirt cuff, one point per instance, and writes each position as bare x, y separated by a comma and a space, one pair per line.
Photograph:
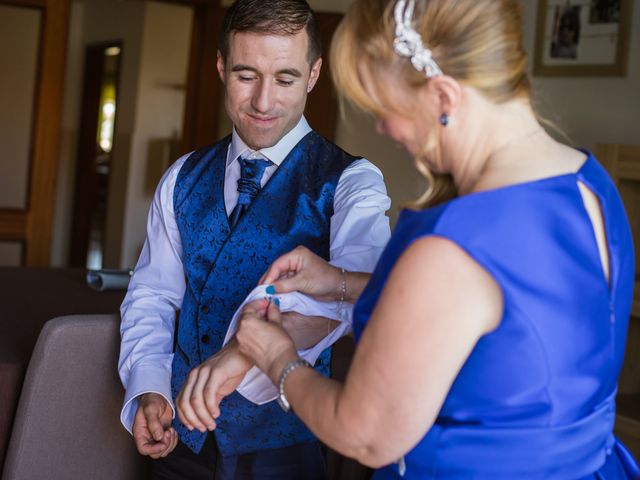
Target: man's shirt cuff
144, 379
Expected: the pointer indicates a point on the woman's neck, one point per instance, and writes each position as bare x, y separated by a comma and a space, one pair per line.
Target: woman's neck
493, 144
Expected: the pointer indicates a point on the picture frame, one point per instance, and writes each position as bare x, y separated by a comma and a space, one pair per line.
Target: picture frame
582, 37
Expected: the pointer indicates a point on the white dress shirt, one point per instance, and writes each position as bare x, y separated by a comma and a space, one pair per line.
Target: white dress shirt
256, 385
358, 233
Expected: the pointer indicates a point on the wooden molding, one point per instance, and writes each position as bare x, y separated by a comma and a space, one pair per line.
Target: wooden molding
33, 226
47, 132
13, 225
26, 3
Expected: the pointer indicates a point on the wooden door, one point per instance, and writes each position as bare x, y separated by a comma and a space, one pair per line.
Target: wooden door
33, 40
322, 103
94, 154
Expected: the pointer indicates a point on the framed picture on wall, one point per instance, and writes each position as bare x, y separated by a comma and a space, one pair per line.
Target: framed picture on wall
582, 37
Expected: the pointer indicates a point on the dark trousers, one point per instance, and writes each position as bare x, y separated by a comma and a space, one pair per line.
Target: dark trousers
299, 462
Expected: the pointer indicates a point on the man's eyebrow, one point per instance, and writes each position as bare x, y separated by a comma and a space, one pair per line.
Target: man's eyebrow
294, 72
240, 67
290, 71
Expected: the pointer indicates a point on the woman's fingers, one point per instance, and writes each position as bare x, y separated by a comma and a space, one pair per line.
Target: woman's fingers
264, 341
286, 285
278, 268
273, 314
287, 265
303, 271
281, 268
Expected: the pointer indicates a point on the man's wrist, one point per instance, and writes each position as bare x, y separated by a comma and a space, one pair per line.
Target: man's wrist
149, 397
232, 349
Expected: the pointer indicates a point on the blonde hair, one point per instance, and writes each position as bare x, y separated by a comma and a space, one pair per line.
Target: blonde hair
477, 42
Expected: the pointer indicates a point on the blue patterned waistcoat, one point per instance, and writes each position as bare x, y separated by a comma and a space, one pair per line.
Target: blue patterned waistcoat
222, 267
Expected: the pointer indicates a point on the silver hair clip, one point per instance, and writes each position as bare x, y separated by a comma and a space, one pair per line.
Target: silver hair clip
408, 42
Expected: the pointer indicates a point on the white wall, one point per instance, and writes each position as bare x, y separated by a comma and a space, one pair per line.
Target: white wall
592, 110
159, 110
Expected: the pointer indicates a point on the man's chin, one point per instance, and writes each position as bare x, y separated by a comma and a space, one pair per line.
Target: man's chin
258, 141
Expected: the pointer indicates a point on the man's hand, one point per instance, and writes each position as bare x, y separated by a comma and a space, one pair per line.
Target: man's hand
152, 430
307, 331
198, 403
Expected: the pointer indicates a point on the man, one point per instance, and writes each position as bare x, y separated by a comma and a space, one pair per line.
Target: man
219, 217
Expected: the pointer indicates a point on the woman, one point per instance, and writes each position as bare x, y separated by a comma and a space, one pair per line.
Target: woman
491, 335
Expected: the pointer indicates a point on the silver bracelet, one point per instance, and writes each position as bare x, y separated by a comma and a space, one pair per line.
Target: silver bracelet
289, 367
343, 294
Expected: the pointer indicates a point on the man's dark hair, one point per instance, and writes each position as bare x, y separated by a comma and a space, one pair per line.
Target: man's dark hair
271, 17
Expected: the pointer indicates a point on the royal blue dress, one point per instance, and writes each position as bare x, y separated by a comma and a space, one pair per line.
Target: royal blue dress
536, 397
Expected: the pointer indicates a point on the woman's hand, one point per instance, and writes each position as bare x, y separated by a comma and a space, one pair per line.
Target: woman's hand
262, 338
303, 271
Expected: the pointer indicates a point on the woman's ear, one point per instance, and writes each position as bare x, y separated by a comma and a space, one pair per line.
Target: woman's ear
447, 93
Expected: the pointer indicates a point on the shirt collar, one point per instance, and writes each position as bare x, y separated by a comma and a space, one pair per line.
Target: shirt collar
277, 153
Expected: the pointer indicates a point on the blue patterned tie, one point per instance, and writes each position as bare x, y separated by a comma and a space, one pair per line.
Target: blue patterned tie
251, 171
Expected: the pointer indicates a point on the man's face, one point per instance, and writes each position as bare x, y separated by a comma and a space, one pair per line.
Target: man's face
267, 79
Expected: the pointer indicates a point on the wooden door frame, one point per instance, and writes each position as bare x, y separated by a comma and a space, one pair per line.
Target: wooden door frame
204, 90
322, 103
33, 225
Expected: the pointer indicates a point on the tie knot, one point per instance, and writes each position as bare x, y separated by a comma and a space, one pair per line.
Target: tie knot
251, 172
253, 168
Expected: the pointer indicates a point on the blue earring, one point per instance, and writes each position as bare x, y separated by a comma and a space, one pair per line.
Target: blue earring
444, 119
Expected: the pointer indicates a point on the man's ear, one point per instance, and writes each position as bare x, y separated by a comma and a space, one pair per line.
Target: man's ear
315, 74
220, 65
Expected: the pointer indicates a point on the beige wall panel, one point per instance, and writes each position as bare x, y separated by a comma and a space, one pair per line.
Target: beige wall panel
10, 254
19, 38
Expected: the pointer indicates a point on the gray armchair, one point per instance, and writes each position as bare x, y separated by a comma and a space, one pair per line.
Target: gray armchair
67, 424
